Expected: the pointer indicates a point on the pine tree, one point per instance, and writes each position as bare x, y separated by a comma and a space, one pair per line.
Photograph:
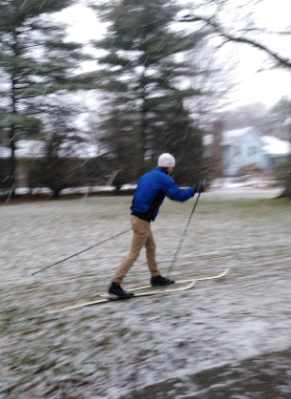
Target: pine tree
35, 61
145, 74
279, 119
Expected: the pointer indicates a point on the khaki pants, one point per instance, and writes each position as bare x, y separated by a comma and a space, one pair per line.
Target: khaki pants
142, 237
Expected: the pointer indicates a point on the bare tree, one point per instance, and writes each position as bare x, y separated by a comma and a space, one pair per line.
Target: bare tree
242, 23
239, 22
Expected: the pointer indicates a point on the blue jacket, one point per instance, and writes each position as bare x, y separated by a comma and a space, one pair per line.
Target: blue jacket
151, 191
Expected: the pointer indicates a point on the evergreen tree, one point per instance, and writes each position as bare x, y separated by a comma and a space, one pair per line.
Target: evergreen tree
35, 61
279, 119
146, 75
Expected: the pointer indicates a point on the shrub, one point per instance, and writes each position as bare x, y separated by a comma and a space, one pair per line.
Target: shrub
56, 173
251, 169
281, 171
100, 168
6, 180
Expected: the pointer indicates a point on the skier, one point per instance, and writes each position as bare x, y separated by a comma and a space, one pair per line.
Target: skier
151, 191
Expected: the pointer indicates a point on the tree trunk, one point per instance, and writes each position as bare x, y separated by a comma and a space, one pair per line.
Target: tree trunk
13, 164
217, 149
287, 190
13, 133
143, 126
56, 192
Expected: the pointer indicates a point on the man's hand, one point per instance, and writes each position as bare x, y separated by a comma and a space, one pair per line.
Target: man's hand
200, 187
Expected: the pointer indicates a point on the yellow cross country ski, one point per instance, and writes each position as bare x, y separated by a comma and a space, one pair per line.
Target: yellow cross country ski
107, 298
224, 273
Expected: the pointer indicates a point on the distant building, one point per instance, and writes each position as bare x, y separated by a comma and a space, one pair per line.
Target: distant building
242, 147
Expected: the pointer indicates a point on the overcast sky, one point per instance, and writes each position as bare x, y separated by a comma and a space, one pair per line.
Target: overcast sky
253, 84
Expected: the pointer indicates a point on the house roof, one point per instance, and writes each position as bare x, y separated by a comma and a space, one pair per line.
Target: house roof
275, 146
270, 144
228, 136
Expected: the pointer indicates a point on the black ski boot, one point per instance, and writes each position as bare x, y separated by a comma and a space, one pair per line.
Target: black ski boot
161, 281
116, 290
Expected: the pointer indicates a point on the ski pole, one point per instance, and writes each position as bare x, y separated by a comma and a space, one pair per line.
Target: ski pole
84, 250
182, 238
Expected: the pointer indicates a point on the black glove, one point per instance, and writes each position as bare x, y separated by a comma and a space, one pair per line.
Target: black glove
200, 187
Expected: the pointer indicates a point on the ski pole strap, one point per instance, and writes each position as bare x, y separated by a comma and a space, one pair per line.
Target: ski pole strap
182, 238
84, 250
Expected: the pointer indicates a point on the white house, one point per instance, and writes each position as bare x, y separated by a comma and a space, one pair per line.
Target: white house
241, 147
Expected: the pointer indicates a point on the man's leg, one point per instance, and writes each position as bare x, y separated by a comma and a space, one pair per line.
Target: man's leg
156, 278
150, 246
141, 231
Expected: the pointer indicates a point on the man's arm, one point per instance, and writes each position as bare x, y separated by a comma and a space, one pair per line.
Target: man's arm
174, 192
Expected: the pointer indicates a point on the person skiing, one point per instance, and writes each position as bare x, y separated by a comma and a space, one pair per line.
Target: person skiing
151, 191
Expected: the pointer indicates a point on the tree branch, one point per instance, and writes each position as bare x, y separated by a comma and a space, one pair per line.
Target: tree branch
281, 61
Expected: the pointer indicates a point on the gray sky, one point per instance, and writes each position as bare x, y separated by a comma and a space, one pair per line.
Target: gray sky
266, 86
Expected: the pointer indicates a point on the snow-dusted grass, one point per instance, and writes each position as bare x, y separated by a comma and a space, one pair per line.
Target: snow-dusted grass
108, 350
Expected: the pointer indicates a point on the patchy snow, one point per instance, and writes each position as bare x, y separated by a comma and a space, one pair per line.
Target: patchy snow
76, 190
4, 152
244, 183
107, 351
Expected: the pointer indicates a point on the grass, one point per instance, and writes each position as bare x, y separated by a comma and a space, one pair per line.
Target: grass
55, 356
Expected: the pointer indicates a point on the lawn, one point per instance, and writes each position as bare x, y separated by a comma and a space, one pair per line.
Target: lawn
109, 350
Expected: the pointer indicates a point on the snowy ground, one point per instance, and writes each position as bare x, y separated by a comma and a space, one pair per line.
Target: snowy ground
110, 351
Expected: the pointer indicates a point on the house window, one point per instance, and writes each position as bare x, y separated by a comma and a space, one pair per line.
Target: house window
236, 150
252, 150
